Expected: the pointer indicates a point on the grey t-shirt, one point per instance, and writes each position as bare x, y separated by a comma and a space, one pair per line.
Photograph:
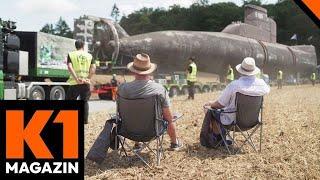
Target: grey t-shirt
144, 89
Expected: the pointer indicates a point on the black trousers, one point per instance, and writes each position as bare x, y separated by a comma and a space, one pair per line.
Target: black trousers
82, 91
279, 82
191, 90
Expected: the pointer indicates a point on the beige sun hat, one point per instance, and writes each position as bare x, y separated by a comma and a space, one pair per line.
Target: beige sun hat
248, 67
142, 65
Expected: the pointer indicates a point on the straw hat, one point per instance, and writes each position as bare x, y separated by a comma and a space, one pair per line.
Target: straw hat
248, 67
141, 65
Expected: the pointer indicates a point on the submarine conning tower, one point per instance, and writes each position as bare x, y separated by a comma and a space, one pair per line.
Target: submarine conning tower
257, 25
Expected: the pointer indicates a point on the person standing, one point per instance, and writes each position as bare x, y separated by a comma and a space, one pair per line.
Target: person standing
114, 86
230, 74
313, 78
81, 67
279, 79
191, 77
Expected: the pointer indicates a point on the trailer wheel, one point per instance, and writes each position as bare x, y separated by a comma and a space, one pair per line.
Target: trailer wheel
197, 90
37, 93
214, 88
185, 91
206, 89
57, 93
174, 92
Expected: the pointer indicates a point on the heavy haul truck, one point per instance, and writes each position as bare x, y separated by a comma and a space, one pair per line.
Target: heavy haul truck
33, 65
176, 84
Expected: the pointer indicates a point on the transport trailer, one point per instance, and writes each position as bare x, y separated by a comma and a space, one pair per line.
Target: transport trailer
33, 65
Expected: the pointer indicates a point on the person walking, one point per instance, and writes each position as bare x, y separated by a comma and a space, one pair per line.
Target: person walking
114, 86
230, 74
191, 77
313, 78
81, 67
279, 79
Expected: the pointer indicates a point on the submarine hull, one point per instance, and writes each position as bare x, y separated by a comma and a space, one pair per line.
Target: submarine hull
215, 50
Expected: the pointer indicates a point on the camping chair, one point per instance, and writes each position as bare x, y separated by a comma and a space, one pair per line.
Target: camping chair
140, 120
248, 117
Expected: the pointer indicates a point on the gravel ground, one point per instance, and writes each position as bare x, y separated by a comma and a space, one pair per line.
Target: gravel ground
291, 144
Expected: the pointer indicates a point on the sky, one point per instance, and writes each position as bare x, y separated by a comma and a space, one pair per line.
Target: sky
31, 15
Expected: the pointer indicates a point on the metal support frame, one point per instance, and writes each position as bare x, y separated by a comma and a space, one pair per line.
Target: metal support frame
245, 134
146, 145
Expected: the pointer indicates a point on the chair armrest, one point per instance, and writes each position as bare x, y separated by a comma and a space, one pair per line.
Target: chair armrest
176, 116
221, 110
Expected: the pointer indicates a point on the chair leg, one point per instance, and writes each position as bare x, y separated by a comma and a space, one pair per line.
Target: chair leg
260, 138
158, 151
223, 139
122, 147
247, 138
251, 142
137, 154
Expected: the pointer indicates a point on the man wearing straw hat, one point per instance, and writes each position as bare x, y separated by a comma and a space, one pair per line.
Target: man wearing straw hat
247, 84
143, 87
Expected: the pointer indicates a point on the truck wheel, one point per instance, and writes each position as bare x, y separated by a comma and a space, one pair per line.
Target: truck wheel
174, 92
37, 93
197, 90
57, 93
185, 91
105, 96
206, 89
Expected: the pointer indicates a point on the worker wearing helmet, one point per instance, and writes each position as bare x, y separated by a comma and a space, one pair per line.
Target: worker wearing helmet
81, 68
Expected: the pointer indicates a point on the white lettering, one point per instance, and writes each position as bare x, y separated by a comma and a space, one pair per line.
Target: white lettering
56, 169
73, 168
24, 168
35, 168
43, 168
46, 168
11, 168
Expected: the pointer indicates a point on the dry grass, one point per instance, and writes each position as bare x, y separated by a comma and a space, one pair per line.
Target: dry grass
291, 144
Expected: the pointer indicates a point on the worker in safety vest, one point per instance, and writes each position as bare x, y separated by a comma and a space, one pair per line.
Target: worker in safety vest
230, 74
81, 68
191, 77
279, 79
313, 78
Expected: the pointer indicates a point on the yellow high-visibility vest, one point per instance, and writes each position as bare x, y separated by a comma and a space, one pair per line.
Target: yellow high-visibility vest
313, 76
193, 75
230, 75
279, 75
81, 62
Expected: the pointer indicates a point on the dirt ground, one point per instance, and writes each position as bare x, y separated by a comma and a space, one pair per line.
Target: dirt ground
291, 144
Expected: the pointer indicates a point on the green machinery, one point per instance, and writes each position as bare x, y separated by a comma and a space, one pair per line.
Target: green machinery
176, 84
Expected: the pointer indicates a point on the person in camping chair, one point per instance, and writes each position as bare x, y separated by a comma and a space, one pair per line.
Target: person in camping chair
144, 87
247, 84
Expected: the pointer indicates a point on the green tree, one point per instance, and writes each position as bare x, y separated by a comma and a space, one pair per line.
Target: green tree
203, 2
62, 29
47, 28
115, 13
254, 2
